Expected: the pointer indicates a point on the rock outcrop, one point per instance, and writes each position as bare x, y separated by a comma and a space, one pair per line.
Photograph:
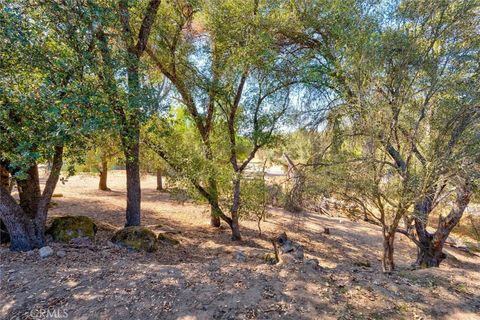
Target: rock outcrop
136, 238
65, 229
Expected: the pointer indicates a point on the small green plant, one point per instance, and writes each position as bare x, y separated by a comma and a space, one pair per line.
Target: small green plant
254, 200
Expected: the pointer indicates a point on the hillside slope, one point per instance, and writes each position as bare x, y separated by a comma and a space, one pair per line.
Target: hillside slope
202, 279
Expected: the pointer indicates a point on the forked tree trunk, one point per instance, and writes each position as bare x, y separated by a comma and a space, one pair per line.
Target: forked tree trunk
159, 180
29, 191
430, 248
27, 232
50, 185
102, 184
429, 255
388, 264
20, 227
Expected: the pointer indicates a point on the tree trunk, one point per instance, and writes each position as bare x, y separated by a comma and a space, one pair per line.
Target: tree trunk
5, 179
130, 119
430, 248
29, 192
236, 236
133, 213
4, 235
131, 140
388, 264
50, 185
6, 184
214, 217
19, 226
426, 255
159, 180
26, 228
294, 200
429, 255
102, 185
215, 211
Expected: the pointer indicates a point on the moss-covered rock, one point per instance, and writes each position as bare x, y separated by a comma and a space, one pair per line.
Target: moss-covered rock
168, 239
137, 238
65, 229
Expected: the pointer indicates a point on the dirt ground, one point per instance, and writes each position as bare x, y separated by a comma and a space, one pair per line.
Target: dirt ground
201, 278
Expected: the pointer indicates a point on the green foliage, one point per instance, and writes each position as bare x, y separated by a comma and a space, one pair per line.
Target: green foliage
254, 197
406, 96
46, 96
103, 146
390, 100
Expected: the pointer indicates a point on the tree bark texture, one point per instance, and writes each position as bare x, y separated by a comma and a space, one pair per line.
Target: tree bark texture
430, 245
102, 184
388, 264
159, 180
27, 229
29, 191
236, 236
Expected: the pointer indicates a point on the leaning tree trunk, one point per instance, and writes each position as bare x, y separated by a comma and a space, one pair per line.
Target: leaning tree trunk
430, 251
159, 180
388, 264
20, 227
29, 194
102, 184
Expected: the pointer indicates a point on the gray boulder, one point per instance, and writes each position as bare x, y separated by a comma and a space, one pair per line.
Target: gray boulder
45, 252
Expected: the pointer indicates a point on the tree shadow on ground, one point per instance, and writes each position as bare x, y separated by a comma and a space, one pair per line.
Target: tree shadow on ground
201, 278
